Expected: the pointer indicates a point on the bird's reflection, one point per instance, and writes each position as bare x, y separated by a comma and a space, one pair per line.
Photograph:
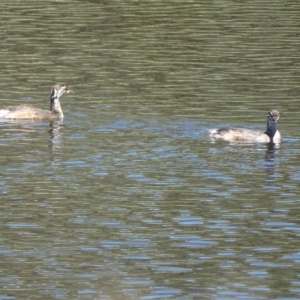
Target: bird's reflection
271, 151
55, 136
271, 162
55, 141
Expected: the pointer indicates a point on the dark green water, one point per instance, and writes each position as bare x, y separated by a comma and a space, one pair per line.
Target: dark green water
128, 199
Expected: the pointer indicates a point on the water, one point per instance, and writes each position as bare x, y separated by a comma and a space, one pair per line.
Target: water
128, 198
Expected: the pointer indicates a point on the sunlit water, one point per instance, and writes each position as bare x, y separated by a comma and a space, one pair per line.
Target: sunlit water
128, 198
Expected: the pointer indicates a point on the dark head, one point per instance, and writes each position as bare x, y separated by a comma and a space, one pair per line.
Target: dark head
272, 118
273, 115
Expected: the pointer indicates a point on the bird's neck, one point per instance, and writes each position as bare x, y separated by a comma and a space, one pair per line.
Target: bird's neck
271, 130
55, 106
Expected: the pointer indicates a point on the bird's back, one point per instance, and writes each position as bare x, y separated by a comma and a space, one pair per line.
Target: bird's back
26, 112
244, 135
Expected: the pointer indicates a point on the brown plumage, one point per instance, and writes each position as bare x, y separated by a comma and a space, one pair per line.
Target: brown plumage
28, 112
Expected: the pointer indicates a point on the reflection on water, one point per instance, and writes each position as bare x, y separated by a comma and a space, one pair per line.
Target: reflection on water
135, 196
129, 199
271, 165
55, 140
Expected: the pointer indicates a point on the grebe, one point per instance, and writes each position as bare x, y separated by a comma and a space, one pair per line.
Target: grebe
232, 134
28, 112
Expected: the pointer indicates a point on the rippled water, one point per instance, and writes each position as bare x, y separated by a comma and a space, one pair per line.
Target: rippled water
128, 198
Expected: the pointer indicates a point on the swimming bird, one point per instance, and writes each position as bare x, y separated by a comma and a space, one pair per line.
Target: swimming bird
28, 112
245, 135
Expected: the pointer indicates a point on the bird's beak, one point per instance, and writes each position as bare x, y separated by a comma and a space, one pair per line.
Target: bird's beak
69, 91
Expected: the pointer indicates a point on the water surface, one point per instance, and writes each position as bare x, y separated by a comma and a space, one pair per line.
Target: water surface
128, 198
